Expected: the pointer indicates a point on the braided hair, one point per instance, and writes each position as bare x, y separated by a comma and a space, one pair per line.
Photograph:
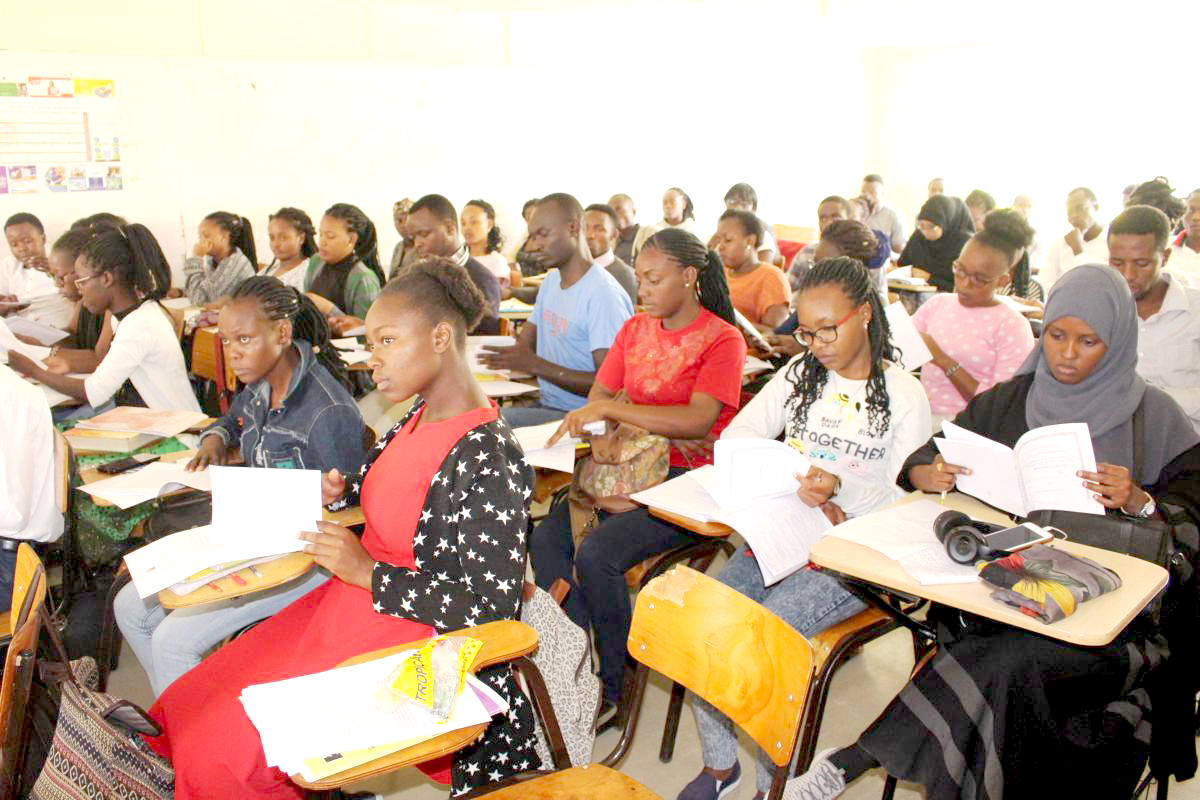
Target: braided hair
809, 376
1159, 194
132, 255
366, 246
687, 251
494, 239
852, 238
277, 302
241, 235
689, 210
303, 225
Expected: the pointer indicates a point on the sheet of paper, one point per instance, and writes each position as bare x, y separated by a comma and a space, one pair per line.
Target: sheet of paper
293, 504
905, 336
747, 469
361, 330
932, 566
170, 559
45, 335
54, 397
753, 333
754, 366
338, 710
1049, 459
780, 531
685, 495
993, 477
476, 345
348, 343
143, 420
176, 303
506, 388
560, 457
34, 352
1016, 304
514, 306
895, 532
145, 483
352, 357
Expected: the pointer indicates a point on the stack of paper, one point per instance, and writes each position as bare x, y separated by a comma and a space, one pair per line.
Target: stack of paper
327, 716
146, 483
560, 457
750, 487
256, 512
143, 420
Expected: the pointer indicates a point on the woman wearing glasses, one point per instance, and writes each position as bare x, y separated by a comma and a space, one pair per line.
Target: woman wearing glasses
857, 416
976, 340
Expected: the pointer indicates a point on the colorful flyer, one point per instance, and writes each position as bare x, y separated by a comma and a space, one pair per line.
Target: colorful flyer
22, 179
77, 178
112, 180
51, 87
95, 177
94, 87
55, 177
8, 89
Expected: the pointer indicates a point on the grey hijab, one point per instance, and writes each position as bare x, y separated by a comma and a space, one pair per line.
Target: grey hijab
1107, 398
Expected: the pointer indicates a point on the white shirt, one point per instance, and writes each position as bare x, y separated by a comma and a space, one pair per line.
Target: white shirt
46, 305
28, 508
1184, 262
836, 435
1060, 258
605, 258
144, 350
1169, 347
294, 277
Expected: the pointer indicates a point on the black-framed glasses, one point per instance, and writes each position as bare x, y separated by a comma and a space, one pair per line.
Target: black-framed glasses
826, 335
972, 278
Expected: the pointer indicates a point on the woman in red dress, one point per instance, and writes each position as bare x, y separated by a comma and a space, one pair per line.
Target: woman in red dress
445, 496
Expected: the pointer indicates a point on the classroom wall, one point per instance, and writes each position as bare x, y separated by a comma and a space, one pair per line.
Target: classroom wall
314, 102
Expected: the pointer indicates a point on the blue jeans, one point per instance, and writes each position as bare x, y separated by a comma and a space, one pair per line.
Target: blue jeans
8, 568
807, 600
169, 643
524, 416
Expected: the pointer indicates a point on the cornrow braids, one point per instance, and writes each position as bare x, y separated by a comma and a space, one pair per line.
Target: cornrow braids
807, 373
132, 255
303, 225
494, 239
277, 302
852, 238
689, 210
366, 247
1159, 193
687, 251
241, 234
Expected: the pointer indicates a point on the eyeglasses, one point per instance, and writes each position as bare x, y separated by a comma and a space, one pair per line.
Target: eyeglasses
973, 279
826, 335
79, 282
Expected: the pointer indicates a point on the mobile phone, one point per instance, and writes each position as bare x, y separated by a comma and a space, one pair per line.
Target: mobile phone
126, 464
1017, 538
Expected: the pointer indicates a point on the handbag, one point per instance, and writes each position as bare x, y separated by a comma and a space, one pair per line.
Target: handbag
175, 513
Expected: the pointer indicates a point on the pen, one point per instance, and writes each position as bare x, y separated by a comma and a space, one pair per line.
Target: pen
214, 586
943, 501
238, 579
254, 569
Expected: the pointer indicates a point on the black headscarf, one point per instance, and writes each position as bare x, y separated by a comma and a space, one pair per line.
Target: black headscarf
951, 215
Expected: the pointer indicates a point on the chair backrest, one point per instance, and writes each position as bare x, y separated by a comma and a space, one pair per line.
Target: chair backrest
504, 328
208, 361
29, 597
720, 644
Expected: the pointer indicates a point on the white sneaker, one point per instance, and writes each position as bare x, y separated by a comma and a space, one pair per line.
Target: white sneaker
823, 781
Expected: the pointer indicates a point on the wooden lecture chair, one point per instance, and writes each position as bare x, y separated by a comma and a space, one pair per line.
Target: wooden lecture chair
28, 601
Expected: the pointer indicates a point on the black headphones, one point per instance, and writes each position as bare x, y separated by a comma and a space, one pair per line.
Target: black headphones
963, 537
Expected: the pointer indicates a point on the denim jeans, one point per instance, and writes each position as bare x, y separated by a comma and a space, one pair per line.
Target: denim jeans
524, 416
8, 568
169, 643
599, 600
810, 602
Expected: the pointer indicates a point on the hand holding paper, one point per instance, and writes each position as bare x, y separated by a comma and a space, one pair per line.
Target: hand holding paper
338, 550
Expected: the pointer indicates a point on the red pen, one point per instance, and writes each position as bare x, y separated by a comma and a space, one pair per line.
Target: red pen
238, 579
213, 585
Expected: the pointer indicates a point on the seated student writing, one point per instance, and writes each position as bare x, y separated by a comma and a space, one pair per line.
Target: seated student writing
24, 276
222, 257
294, 244
89, 336
976, 340
847, 388
123, 271
428, 562
757, 289
575, 318
294, 412
676, 370
345, 278
28, 506
1028, 715
943, 226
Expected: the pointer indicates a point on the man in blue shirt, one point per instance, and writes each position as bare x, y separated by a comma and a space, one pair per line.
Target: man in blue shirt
578, 312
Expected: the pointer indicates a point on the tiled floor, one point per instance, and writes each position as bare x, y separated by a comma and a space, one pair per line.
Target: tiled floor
860, 690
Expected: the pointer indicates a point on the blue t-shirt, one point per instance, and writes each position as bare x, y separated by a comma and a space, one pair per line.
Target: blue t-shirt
571, 323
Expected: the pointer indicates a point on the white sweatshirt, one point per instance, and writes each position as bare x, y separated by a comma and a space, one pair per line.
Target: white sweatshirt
836, 435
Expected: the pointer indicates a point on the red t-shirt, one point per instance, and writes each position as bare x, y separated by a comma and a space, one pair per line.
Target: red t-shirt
658, 367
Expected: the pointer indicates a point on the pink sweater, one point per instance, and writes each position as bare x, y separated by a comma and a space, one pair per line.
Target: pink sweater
989, 342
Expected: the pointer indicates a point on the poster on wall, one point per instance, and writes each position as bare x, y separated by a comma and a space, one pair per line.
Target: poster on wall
59, 134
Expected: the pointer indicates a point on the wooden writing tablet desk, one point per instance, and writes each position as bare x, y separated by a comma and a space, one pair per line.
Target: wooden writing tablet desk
1094, 623
919, 288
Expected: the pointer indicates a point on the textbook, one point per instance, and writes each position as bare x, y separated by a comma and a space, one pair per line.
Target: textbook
751, 488
106, 441
131, 419
146, 483
1038, 474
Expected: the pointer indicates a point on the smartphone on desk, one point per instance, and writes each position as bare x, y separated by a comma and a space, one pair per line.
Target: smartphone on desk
126, 464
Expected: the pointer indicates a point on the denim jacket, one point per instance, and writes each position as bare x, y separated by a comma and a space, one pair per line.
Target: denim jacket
318, 425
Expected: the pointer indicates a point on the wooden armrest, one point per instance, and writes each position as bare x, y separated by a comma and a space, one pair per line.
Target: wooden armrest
347, 517
503, 640
715, 529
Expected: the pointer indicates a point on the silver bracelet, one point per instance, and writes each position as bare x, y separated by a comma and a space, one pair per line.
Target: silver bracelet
950, 372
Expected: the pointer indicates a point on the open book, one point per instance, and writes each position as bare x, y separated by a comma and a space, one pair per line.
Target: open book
750, 487
1038, 474
143, 420
146, 483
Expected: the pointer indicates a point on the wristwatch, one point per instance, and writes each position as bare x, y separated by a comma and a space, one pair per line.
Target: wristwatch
1147, 511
